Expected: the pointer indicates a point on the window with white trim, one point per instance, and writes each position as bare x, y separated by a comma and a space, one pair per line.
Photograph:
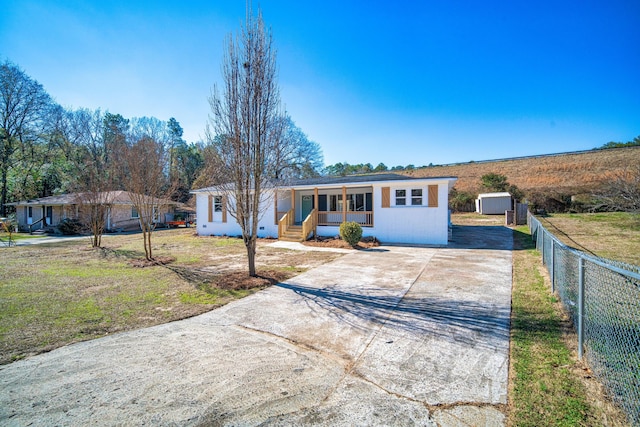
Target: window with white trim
134, 212
217, 204
416, 197
401, 197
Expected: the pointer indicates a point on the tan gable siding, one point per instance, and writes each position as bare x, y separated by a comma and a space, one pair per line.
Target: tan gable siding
386, 197
433, 196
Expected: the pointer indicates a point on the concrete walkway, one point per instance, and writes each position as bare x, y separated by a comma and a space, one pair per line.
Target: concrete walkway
47, 239
389, 336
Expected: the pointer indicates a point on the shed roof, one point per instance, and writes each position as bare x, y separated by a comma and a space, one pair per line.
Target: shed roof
488, 195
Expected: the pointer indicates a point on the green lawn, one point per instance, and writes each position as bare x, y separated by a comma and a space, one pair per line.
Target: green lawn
55, 294
547, 383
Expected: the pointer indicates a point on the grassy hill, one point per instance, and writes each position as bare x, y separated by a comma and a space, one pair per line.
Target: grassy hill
570, 173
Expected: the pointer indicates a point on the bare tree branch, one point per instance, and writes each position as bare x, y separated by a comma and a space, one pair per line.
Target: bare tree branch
622, 193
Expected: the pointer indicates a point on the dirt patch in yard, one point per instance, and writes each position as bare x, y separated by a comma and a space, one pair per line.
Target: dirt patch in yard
242, 280
337, 242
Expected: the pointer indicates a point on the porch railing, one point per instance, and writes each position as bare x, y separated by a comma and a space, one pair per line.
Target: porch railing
364, 218
36, 223
309, 225
280, 214
286, 221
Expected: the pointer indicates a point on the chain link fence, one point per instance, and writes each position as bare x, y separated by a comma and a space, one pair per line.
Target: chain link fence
603, 299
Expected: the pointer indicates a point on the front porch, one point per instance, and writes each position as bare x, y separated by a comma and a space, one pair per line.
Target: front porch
328, 207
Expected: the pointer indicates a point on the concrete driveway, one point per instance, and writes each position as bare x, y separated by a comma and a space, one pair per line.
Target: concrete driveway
390, 336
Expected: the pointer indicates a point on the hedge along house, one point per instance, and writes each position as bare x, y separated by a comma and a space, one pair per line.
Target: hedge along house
392, 208
48, 212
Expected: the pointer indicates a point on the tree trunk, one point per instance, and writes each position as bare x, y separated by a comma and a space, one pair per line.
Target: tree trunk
250, 243
148, 244
3, 196
145, 239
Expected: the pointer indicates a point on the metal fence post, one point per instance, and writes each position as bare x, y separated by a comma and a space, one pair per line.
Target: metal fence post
580, 307
542, 246
553, 266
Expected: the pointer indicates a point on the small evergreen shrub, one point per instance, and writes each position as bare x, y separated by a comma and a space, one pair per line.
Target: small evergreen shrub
70, 226
351, 232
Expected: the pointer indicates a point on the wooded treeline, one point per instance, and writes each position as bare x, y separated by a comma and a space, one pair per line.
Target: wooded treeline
46, 149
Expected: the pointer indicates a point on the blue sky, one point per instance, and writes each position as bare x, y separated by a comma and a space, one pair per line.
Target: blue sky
407, 82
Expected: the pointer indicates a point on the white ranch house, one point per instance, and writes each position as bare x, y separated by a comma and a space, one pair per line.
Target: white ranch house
392, 208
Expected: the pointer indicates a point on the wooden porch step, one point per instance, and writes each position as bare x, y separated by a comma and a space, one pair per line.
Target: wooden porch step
292, 234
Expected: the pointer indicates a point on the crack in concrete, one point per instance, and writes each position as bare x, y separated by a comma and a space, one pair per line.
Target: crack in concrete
375, 334
438, 407
307, 347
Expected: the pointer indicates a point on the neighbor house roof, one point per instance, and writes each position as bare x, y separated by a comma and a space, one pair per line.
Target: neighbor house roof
368, 179
119, 197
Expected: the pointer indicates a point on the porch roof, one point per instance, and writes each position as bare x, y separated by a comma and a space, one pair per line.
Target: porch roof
361, 180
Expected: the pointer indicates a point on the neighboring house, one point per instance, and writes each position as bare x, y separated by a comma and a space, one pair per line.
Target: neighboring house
392, 208
48, 212
493, 203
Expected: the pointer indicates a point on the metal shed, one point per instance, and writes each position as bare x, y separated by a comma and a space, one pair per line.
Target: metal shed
493, 203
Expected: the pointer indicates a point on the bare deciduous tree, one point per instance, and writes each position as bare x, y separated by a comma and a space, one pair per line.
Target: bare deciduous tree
93, 209
146, 160
297, 156
622, 193
246, 128
94, 181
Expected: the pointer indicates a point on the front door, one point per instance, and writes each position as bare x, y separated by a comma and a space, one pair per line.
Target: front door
49, 215
307, 206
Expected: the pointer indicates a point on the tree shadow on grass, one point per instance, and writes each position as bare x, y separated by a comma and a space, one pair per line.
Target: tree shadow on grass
193, 276
476, 323
121, 253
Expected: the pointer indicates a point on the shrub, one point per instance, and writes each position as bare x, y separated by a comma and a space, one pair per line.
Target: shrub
462, 201
351, 232
70, 226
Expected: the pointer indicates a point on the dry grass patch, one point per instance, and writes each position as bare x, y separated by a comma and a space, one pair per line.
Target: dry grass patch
55, 294
566, 172
476, 219
612, 235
